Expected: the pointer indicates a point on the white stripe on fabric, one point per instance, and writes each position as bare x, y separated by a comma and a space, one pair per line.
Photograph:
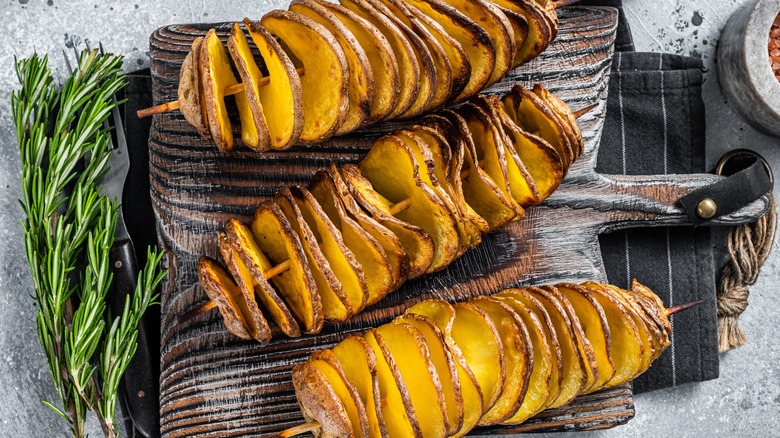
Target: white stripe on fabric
668, 237
623, 149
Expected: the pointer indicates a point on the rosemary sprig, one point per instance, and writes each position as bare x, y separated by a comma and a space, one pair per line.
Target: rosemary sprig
69, 231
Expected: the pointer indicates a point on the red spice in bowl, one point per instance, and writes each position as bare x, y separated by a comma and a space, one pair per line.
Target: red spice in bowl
774, 47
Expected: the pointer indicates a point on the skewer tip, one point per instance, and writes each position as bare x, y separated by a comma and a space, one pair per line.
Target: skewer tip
299, 429
680, 307
581, 112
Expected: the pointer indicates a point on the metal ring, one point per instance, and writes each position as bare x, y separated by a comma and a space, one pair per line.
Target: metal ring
728, 156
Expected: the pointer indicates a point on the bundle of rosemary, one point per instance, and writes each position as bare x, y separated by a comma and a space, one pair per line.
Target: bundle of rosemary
69, 231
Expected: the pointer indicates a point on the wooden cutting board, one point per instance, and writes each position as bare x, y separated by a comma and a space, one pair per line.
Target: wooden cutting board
213, 384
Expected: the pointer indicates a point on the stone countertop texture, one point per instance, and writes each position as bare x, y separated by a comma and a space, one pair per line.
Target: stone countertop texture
744, 401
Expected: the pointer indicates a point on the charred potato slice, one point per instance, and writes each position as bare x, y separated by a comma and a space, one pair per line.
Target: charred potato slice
517, 356
567, 117
540, 29
283, 92
336, 304
384, 65
409, 68
253, 258
391, 168
358, 363
594, 323
254, 135
361, 77
477, 337
416, 242
540, 380
255, 322
406, 345
645, 334
189, 92
442, 314
474, 39
217, 76
221, 289
367, 251
445, 366
318, 396
331, 368
325, 86
626, 348
396, 405
490, 18
274, 235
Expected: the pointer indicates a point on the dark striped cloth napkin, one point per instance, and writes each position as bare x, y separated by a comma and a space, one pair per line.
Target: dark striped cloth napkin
655, 125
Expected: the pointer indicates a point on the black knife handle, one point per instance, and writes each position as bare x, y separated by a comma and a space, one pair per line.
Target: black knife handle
139, 383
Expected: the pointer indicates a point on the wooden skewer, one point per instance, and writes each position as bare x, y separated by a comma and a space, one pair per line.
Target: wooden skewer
299, 429
229, 91
680, 307
581, 112
562, 3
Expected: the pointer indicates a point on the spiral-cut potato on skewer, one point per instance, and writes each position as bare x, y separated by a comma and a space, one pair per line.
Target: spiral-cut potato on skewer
418, 200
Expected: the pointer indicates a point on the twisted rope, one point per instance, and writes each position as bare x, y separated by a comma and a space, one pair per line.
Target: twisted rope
749, 246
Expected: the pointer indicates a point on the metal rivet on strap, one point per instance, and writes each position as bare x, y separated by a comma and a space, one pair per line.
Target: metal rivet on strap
706, 208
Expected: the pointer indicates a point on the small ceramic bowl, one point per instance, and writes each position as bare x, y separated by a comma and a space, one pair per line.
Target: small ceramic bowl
744, 67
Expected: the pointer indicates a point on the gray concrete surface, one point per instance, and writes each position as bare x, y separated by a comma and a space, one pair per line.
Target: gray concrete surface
745, 401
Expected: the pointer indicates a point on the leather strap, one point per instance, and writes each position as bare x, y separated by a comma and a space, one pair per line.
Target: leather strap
748, 177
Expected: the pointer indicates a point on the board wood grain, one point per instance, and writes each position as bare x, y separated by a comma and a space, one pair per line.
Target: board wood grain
214, 384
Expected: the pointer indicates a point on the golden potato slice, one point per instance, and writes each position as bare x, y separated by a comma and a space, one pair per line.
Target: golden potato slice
275, 237
189, 92
390, 243
521, 185
425, 163
336, 304
331, 368
255, 322
442, 314
519, 29
543, 362
358, 362
490, 18
589, 360
534, 115
446, 367
283, 93
475, 334
416, 242
472, 37
384, 66
626, 348
540, 31
575, 371
483, 194
254, 135
221, 289
407, 346
566, 116
240, 237
652, 315
542, 161
367, 251
218, 75
361, 77
594, 322
396, 405
492, 156
657, 309
319, 399
409, 68
440, 135
442, 68
517, 356
325, 86
391, 168
645, 334
558, 372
